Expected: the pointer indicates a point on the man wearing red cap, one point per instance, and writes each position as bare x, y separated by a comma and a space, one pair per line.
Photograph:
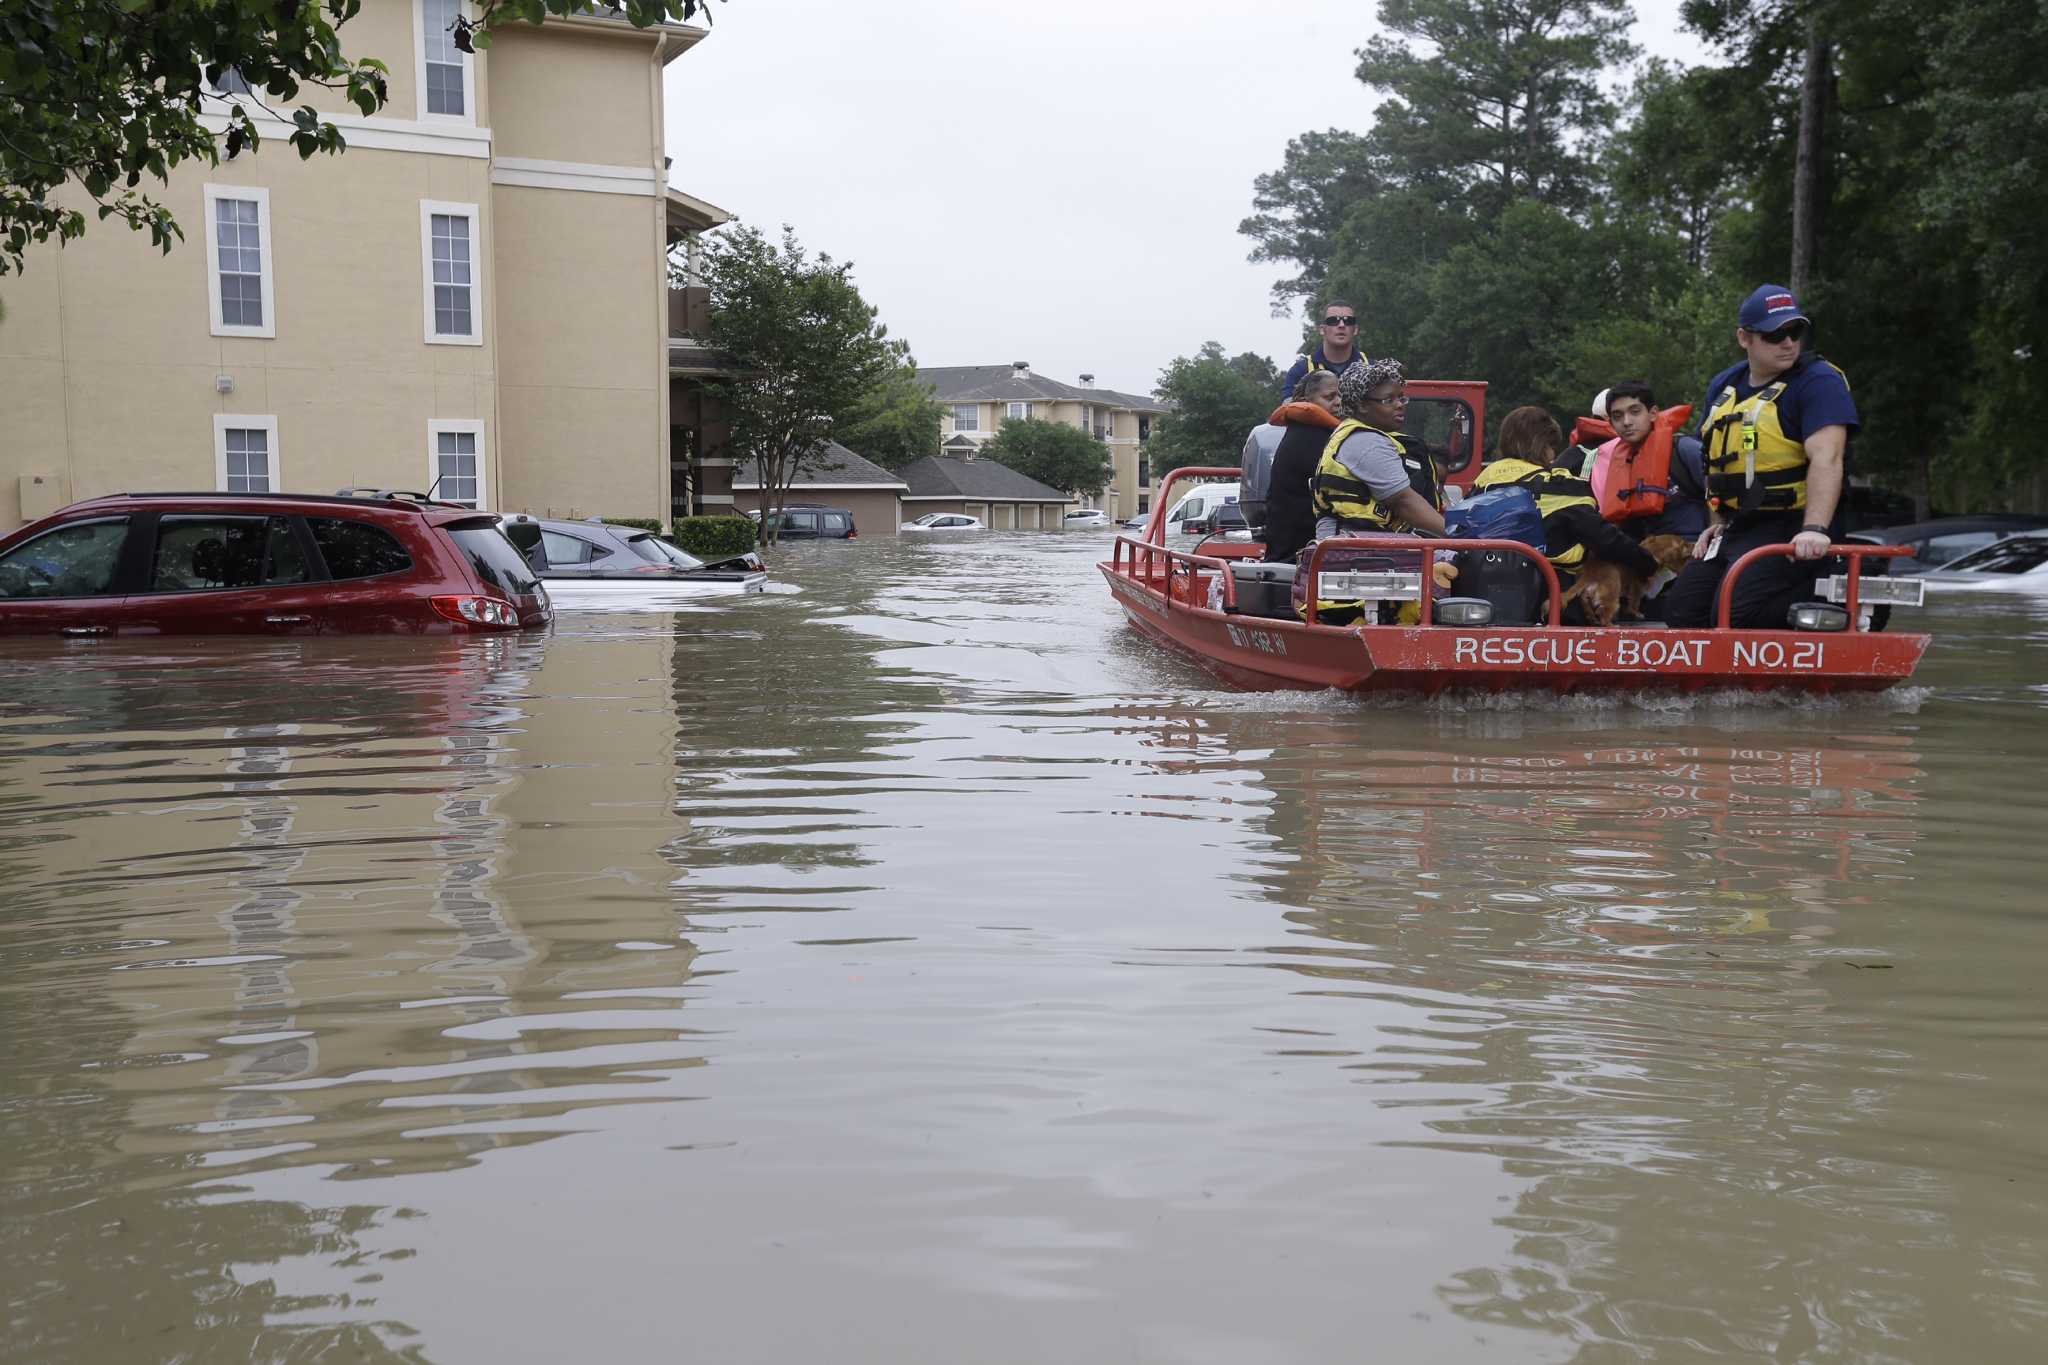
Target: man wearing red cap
1776, 438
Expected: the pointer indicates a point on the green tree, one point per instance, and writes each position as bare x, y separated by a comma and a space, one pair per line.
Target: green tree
1494, 102
109, 93
1055, 454
1215, 402
896, 422
806, 348
1299, 209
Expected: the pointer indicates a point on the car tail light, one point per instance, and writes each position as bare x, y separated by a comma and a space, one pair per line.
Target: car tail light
488, 612
852, 533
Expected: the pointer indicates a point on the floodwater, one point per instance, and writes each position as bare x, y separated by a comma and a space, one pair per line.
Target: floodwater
917, 966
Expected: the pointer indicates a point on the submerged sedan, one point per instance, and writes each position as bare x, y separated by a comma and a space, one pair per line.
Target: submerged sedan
943, 521
591, 561
2016, 564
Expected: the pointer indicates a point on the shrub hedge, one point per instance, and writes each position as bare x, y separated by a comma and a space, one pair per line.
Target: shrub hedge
714, 537
637, 523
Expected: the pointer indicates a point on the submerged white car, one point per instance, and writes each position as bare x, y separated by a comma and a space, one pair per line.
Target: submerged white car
943, 521
1086, 517
2016, 564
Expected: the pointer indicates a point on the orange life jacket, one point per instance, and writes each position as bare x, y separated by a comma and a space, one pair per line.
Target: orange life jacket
1591, 431
1632, 482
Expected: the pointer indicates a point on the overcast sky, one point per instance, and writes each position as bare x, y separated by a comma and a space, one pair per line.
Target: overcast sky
1058, 181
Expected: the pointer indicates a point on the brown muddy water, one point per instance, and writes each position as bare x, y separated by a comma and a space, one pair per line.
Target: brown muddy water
916, 966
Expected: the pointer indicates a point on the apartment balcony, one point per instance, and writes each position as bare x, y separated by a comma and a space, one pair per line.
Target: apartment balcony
689, 311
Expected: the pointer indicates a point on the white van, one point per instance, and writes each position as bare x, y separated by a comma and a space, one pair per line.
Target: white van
1199, 506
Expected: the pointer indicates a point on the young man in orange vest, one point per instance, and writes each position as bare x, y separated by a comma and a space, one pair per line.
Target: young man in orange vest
1650, 479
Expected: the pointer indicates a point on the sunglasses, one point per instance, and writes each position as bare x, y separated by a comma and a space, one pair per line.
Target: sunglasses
1334, 321
1791, 331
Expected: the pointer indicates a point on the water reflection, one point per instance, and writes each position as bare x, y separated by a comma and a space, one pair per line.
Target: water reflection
920, 951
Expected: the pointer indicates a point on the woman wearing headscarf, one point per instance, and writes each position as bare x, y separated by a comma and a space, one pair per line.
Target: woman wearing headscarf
1367, 481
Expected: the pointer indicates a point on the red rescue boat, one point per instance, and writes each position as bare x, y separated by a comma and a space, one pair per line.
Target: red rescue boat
1190, 600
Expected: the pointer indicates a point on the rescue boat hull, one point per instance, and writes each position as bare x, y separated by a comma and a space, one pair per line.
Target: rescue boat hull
1256, 652
1187, 599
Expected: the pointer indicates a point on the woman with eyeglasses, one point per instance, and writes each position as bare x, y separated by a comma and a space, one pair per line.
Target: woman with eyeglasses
1336, 352
1776, 436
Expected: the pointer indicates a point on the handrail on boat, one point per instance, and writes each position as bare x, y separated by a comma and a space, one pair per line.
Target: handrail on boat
1855, 554
1145, 554
1426, 546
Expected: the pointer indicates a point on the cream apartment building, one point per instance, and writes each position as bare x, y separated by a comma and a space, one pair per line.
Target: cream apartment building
473, 296
978, 399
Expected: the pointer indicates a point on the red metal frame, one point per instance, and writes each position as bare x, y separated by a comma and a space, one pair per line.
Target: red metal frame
1421, 545
1855, 554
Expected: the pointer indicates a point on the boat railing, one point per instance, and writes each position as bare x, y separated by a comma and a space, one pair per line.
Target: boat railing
1852, 592
1142, 560
1426, 546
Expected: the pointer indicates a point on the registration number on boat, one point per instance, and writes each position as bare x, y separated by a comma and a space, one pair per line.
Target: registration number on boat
1263, 641
1648, 650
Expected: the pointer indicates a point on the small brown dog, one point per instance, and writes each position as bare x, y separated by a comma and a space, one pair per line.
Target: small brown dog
1608, 589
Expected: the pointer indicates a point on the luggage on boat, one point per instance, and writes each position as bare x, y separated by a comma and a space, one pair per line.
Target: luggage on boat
1263, 589
1344, 559
1505, 513
1511, 582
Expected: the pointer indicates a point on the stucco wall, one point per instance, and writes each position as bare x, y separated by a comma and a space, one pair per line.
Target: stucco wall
108, 364
580, 97
582, 369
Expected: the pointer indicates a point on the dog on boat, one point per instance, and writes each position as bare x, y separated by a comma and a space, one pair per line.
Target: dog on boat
1606, 590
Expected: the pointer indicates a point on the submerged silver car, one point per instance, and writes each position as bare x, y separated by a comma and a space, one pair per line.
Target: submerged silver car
583, 558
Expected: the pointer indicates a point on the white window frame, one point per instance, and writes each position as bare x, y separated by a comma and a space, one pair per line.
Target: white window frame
475, 427
214, 194
428, 208
223, 423
1010, 413
465, 119
974, 409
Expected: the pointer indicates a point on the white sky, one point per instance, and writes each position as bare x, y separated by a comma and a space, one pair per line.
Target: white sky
1058, 181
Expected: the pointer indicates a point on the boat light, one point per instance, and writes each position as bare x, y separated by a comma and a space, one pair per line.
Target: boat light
1818, 616
1357, 585
1876, 592
1464, 611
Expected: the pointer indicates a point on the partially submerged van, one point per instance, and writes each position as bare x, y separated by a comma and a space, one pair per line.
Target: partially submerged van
1196, 514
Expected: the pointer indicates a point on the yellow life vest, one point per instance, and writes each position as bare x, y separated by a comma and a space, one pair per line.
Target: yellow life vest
1751, 464
1358, 357
1336, 492
1554, 489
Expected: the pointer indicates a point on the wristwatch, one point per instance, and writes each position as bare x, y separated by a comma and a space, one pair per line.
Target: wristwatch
1815, 528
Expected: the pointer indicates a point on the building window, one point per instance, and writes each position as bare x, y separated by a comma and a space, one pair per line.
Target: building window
230, 82
455, 462
1086, 425
448, 249
1020, 412
1144, 428
244, 453
966, 417
240, 299
444, 74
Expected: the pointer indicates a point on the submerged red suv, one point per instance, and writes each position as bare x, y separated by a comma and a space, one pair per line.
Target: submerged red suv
265, 564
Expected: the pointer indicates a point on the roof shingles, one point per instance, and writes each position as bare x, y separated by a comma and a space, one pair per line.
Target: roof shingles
945, 476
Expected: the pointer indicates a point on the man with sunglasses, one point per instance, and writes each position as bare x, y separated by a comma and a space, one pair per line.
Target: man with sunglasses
1335, 352
1776, 437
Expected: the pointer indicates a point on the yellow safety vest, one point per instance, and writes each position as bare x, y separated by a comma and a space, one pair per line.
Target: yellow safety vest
1336, 492
1752, 465
1358, 357
1555, 489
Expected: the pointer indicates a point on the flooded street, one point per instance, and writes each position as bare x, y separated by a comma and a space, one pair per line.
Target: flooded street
917, 965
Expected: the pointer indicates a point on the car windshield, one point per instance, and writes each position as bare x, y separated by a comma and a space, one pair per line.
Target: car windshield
928, 519
2018, 555
655, 550
493, 557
